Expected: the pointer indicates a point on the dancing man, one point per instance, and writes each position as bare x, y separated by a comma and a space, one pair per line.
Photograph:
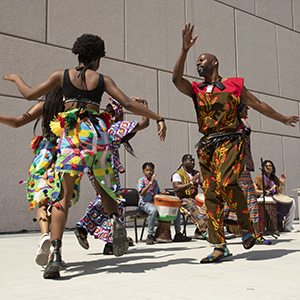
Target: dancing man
221, 149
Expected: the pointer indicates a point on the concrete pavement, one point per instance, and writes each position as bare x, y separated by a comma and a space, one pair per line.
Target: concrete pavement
161, 271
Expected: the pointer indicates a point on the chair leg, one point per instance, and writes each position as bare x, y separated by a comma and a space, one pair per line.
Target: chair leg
184, 223
135, 230
142, 233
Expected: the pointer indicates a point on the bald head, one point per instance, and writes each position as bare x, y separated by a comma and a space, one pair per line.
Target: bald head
207, 64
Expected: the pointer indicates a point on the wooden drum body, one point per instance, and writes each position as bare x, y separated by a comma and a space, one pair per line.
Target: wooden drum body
167, 207
271, 214
284, 204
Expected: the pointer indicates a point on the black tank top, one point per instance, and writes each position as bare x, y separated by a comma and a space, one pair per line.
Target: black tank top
72, 92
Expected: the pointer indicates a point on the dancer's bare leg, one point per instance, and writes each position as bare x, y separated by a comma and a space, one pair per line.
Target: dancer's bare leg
110, 205
43, 219
59, 215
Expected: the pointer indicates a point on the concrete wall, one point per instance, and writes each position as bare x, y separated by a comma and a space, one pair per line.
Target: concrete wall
255, 39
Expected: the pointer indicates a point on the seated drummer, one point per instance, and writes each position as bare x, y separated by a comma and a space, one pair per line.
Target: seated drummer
274, 185
148, 188
185, 183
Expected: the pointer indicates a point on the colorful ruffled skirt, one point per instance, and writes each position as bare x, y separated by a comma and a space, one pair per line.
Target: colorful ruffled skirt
96, 220
43, 184
84, 147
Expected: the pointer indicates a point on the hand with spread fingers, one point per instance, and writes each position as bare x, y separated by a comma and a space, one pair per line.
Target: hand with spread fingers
187, 37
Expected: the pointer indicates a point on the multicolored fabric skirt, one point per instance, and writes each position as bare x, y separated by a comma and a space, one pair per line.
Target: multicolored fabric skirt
96, 220
84, 146
246, 184
43, 184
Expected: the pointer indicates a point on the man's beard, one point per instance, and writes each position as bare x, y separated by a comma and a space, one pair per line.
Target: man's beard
204, 70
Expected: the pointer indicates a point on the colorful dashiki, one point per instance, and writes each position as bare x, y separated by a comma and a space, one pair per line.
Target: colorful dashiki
96, 221
221, 156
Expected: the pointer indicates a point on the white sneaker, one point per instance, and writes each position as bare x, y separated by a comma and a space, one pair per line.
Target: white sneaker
290, 229
42, 253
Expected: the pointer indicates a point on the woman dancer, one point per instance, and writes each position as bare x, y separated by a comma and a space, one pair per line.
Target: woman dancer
42, 184
83, 142
95, 221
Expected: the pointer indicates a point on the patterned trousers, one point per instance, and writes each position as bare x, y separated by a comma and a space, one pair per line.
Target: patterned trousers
220, 172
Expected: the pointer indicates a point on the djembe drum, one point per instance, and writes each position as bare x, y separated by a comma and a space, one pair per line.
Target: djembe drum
167, 207
199, 200
284, 204
271, 214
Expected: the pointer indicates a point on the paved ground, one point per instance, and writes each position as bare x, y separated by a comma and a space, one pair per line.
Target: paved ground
162, 271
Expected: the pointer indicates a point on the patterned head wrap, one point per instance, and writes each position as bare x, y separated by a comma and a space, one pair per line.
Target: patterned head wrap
116, 106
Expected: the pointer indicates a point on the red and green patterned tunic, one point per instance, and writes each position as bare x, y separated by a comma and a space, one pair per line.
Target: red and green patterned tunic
221, 166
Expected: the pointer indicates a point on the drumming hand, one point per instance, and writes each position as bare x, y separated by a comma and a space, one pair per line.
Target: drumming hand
282, 179
164, 192
195, 179
273, 188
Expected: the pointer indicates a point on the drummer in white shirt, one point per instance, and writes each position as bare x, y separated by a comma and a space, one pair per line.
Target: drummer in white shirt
274, 186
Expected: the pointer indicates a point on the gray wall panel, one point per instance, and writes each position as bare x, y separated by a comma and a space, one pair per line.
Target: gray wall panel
26, 18
243, 5
286, 107
174, 104
291, 159
289, 62
267, 146
254, 117
133, 80
70, 19
256, 47
153, 32
34, 62
277, 11
296, 14
217, 39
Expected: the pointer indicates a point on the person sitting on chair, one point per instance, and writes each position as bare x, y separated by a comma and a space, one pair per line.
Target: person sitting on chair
185, 183
274, 186
148, 188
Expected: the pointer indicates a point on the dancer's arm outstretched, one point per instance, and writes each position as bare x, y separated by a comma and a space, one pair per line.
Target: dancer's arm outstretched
262, 107
56, 79
144, 123
31, 115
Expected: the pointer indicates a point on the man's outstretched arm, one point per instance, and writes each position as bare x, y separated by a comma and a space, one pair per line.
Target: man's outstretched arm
262, 107
188, 41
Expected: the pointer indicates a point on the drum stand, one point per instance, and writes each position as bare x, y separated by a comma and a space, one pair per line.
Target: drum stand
266, 216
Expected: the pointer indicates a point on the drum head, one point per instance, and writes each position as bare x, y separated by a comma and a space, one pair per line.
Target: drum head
199, 199
284, 199
269, 200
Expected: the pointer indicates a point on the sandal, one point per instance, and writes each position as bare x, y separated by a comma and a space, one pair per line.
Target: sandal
224, 255
108, 249
130, 241
249, 235
81, 235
